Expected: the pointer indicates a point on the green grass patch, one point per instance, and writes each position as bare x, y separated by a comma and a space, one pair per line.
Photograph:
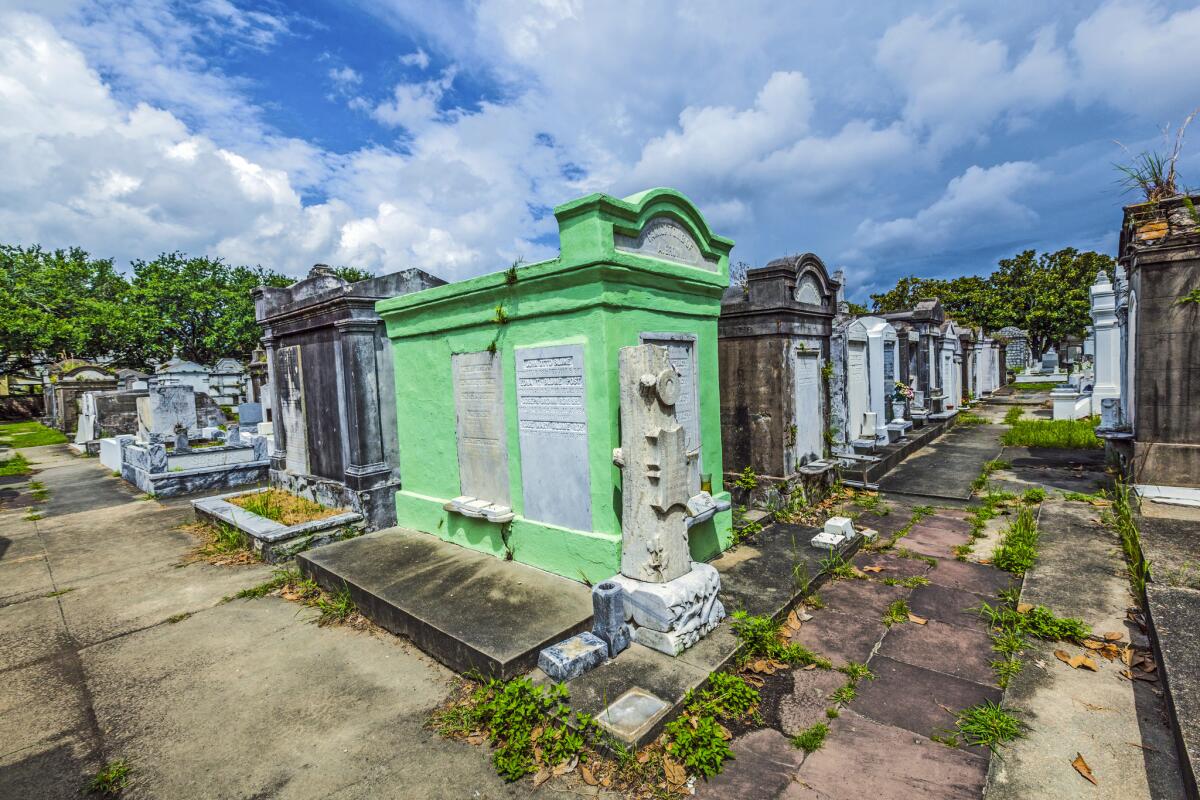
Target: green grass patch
1012, 415
969, 418
759, 638
838, 568
1018, 544
29, 434
17, 465
336, 607
896, 613
1032, 496
811, 739
111, 779
1040, 386
1081, 497
844, 694
988, 725
1066, 434
911, 582
989, 467
279, 579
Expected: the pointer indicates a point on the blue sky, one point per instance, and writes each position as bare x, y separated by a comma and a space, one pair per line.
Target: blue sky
890, 139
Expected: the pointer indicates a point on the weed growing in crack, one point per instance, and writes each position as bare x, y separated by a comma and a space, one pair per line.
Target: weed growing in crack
811, 739
112, 778
896, 613
988, 725
911, 582
844, 694
759, 637
1018, 544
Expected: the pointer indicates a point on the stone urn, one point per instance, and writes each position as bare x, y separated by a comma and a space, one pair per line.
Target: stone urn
898, 409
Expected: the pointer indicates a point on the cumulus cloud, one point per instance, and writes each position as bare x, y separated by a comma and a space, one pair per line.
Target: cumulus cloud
983, 203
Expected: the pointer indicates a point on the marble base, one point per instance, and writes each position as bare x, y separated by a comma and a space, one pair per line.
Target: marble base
573, 657
670, 617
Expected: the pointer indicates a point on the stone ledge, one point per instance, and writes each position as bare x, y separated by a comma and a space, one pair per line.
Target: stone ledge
272, 540
1171, 615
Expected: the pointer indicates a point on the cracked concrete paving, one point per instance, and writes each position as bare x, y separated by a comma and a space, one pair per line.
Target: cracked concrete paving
236, 700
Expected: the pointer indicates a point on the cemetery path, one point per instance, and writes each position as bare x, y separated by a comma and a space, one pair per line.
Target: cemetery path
946, 467
886, 741
112, 647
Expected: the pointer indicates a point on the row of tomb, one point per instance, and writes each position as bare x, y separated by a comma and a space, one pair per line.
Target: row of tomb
496, 397
585, 415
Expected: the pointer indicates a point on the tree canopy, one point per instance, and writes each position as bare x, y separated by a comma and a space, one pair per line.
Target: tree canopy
1045, 294
66, 304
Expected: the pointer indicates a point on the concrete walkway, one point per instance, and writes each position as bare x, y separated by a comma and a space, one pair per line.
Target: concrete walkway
882, 744
111, 647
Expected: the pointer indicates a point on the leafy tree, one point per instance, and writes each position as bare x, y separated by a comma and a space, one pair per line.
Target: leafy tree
198, 308
57, 305
1046, 295
353, 274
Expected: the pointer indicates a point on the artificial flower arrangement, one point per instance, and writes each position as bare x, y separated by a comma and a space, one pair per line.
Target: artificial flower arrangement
902, 391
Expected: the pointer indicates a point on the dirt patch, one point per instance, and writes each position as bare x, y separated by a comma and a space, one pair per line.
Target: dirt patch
284, 507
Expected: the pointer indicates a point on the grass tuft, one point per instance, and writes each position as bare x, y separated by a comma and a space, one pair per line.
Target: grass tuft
896, 613
1120, 518
988, 725
811, 739
29, 434
17, 465
283, 507
1012, 415
1018, 544
111, 779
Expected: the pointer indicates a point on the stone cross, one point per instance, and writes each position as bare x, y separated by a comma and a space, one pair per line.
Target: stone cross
655, 465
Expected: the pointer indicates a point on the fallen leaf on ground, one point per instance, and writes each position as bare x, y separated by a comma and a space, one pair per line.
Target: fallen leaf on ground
916, 620
476, 738
872, 569
1092, 645
805, 616
947, 709
725, 732
809, 667
1024, 608
643, 757
542, 776
587, 776
1082, 661
793, 621
858, 573
1126, 674
1142, 676
1083, 769
753, 680
675, 773
1063, 656
1114, 636
566, 766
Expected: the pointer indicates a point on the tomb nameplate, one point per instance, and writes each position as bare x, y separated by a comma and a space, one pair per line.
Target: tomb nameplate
808, 408
553, 435
681, 350
290, 384
482, 439
663, 237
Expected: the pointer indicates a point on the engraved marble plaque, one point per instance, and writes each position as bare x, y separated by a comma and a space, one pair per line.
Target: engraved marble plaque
808, 292
553, 434
681, 350
808, 446
290, 384
663, 237
482, 438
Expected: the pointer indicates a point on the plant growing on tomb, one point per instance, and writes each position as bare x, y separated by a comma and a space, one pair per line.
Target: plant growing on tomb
1120, 519
747, 480
1191, 298
1153, 173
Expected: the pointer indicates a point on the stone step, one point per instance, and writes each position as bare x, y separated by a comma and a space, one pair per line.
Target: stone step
467, 609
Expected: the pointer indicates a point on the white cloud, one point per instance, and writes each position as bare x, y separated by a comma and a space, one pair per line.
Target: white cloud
344, 77
413, 106
419, 59
980, 204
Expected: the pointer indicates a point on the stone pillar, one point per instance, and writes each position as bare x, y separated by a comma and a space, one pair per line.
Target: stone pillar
366, 463
279, 453
1107, 343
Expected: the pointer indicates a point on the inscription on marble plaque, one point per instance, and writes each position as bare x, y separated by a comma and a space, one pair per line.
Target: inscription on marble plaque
290, 384
482, 441
808, 408
663, 237
889, 367
552, 430
681, 350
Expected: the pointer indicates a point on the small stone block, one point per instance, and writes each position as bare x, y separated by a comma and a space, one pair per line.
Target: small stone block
672, 643
869, 534
632, 713
840, 525
827, 541
571, 658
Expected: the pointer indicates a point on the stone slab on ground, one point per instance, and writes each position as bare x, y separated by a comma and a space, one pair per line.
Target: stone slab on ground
916, 698
766, 763
864, 759
1172, 546
1173, 615
978, 578
865, 598
933, 541
893, 566
805, 706
468, 609
947, 466
842, 638
949, 649
1053, 469
951, 606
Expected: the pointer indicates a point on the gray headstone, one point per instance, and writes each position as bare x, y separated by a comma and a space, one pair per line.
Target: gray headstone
553, 434
1050, 361
809, 443
482, 436
233, 434
250, 413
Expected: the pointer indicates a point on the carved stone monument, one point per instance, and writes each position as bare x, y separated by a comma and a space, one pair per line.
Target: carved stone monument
672, 600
